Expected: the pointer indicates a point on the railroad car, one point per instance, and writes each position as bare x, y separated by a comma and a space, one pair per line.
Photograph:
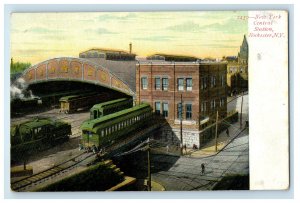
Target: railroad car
37, 134
72, 103
24, 104
53, 98
107, 129
105, 108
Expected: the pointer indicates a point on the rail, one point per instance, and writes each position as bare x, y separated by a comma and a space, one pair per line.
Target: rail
52, 171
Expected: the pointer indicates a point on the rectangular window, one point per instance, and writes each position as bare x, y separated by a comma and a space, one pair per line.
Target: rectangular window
157, 108
222, 102
144, 83
189, 84
188, 111
165, 109
213, 81
213, 104
179, 110
157, 83
165, 83
222, 80
180, 82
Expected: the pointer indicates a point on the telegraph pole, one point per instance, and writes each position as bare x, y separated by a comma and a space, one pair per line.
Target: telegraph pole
216, 136
241, 116
149, 166
181, 139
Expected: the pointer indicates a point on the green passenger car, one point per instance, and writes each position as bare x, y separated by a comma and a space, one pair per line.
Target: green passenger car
107, 129
105, 108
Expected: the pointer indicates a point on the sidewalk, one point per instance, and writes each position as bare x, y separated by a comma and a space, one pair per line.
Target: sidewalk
208, 149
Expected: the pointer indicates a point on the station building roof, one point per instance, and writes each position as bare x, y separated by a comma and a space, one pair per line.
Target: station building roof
106, 51
170, 57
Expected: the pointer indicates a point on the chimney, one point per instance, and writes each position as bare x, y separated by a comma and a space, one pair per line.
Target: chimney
130, 47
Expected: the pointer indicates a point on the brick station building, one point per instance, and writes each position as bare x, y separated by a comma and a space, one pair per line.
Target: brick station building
202, 86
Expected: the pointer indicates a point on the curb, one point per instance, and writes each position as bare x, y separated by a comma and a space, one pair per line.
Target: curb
216, 153
190, 157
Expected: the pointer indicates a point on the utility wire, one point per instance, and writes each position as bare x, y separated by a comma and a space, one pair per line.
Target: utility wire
139, 147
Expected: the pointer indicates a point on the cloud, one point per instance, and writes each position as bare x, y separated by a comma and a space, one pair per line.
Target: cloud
39, 30
56, 37
187, 26
219, 15
154, 38
34, 52
226, 40
100, 31
229, 26
118, 16
225, 46
104, 31
214, 46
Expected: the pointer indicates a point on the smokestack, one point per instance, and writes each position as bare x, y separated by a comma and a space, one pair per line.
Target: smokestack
130, 47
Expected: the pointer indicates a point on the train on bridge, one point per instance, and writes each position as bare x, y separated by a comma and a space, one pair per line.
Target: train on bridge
105, 108
113, 127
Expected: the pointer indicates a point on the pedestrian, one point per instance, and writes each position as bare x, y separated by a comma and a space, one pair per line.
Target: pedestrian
202, 169
94, 149
167, 148
184, 146
80, 147
227, 132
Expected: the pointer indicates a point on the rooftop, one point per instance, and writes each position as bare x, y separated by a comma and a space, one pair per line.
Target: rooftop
158, 62
169, 57
115, 51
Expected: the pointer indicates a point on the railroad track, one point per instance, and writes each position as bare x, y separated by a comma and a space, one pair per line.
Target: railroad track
32, 181
43, 176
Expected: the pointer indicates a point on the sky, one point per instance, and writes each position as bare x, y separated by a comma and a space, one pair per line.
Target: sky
36, 37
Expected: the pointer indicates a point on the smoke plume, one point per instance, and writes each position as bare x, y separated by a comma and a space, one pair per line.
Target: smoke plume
19, 90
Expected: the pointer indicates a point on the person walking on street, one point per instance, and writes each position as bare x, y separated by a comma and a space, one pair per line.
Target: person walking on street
184, 146
227, 132
202, 169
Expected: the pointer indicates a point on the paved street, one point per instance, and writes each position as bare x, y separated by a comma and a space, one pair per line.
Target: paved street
185, 172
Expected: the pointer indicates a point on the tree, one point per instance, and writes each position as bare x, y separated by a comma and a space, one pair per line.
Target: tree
18, 66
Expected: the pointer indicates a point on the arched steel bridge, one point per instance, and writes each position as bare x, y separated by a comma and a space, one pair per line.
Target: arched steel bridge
74, 69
